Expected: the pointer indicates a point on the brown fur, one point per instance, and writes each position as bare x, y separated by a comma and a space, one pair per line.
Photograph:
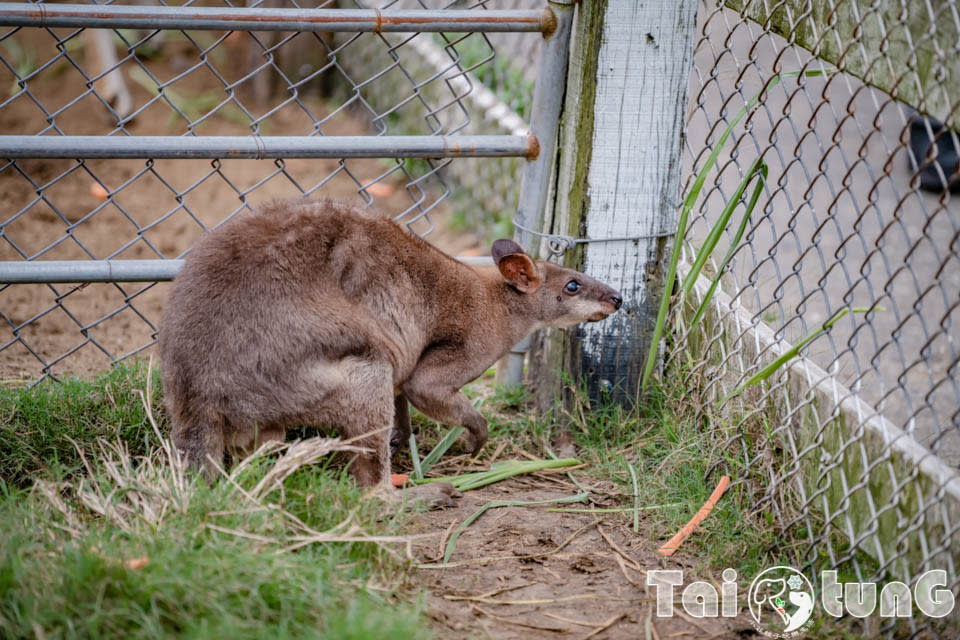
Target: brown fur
319, 314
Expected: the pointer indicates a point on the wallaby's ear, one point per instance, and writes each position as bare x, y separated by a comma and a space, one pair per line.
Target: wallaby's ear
520, 271
504, 247
515, 265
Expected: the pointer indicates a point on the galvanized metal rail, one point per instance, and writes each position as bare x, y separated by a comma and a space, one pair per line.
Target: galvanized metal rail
553, 20
260, 147
21, 14
535, 184
66, 271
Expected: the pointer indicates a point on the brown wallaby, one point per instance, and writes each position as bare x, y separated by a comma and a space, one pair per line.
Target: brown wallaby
320, 314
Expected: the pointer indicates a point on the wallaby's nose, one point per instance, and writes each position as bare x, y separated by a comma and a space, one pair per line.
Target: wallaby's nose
616, 300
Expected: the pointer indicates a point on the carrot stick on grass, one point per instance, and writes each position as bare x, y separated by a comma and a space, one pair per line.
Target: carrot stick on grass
673, 543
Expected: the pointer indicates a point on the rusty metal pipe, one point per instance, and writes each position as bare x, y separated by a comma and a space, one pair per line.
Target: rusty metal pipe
20, 14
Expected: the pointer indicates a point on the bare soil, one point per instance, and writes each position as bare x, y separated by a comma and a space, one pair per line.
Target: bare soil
525, 572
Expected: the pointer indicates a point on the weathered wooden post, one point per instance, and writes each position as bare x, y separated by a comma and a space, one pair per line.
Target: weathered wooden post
618, 177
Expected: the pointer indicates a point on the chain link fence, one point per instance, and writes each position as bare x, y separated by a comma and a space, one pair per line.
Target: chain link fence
496, 90
196, 83
854, 446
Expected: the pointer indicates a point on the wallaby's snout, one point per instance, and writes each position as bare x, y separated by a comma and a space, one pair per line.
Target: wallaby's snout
610, 297
607, 297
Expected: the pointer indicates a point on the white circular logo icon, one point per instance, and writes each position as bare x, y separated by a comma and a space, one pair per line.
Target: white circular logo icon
781, 601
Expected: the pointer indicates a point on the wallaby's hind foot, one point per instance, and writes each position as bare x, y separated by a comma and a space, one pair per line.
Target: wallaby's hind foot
202, 447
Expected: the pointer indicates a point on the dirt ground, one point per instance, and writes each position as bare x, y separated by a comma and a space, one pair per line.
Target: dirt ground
48, 209
525, 572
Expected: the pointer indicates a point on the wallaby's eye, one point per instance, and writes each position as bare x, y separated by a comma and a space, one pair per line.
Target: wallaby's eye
573, 287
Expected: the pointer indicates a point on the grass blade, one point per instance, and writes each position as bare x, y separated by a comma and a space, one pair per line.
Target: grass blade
415, 456
688, 202
755, 196
493, 504
445, 443
652, 507
793, 351
716, 232
636, 498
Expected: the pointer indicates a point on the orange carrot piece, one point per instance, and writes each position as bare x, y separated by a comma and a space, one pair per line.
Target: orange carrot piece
98, 191
381, 190
398, 479
673, 543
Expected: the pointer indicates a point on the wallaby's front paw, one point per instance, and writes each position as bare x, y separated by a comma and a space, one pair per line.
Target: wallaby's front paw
435, 495
477, 436
475, 443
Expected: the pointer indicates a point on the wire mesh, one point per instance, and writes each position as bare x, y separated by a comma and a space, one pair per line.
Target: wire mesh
857, 211
71, 81
502, 69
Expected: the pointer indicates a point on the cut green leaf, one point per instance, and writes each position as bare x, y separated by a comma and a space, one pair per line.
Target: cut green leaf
501, 471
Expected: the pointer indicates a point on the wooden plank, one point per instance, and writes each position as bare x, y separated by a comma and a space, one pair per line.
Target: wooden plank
619, 175
908, 49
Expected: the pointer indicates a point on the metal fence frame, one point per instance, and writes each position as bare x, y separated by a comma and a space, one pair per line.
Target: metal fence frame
535, 147
830, 463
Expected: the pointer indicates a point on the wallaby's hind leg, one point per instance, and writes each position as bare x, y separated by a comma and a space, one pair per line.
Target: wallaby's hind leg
364, 408
401, 424
200, 442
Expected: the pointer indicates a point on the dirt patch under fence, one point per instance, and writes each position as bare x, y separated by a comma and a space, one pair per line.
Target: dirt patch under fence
525, 572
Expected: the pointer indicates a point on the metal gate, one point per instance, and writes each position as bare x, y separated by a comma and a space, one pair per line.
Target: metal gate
212, 62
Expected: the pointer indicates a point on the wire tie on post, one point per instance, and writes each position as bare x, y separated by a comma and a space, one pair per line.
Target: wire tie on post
559, 244
261, 147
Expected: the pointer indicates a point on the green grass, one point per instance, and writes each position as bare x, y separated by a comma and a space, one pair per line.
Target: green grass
220, 558
671, 448
38, 424
678, 461
216, 560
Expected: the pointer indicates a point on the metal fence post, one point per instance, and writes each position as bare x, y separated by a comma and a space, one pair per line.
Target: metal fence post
618, 176
535, 184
